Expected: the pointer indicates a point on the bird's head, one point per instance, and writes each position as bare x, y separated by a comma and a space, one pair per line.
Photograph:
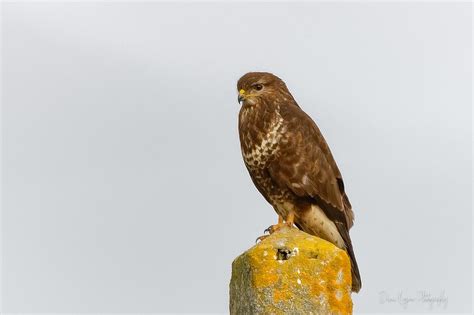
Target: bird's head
255, 86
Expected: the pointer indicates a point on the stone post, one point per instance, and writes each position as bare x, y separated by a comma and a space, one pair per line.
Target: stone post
291, 272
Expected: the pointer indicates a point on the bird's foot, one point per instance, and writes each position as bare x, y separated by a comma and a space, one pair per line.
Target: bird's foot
272, 229
275, 227
261, 238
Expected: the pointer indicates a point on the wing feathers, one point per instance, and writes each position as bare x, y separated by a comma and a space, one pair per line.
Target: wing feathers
306, 165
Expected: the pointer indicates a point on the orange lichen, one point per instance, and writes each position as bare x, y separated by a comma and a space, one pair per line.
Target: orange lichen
293, 269
281, 294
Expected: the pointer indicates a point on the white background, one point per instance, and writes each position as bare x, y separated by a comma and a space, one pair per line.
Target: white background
123, 184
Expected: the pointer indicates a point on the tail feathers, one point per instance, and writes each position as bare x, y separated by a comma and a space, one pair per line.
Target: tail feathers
356, 281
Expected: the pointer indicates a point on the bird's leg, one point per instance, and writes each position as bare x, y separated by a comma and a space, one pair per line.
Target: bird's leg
271, 229
290, 220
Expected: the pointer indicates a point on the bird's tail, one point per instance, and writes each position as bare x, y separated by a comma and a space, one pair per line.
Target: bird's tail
356, 281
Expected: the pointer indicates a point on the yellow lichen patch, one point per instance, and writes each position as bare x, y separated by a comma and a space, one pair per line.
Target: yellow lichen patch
281, 294
293, 272
339, 284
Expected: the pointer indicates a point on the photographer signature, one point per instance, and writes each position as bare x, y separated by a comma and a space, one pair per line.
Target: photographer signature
420, 297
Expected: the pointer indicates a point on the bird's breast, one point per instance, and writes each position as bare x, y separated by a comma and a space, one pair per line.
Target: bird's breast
260, 141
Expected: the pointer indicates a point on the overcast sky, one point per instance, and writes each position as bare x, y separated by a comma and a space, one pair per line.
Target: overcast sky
123, 184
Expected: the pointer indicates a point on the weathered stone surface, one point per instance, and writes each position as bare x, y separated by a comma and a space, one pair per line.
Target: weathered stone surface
291, 272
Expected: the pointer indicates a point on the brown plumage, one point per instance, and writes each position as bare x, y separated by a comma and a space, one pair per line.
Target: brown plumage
290, 162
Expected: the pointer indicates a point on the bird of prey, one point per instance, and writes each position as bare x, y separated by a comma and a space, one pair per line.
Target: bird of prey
291, 165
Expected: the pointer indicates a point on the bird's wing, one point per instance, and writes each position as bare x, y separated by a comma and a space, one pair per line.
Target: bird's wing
307, 167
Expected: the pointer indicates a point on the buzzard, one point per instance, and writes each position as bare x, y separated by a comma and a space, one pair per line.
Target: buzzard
291, 165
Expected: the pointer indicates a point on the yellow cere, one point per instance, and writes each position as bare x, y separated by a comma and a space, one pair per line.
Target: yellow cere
242, 92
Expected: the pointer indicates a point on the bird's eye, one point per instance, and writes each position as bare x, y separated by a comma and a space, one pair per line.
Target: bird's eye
258, 87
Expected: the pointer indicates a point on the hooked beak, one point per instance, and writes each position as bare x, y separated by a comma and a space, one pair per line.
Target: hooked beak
241, 96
